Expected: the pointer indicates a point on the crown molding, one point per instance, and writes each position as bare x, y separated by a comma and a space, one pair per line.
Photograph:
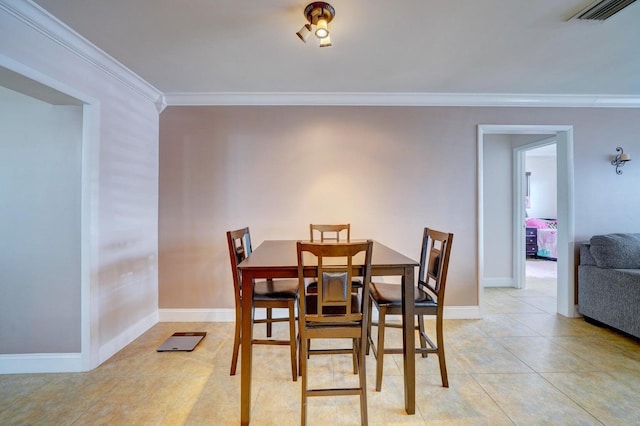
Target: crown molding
43, 22
404, 99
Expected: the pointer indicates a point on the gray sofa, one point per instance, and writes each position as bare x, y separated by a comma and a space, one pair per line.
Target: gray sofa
609, 281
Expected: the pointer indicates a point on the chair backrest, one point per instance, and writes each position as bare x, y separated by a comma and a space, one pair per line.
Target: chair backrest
333, 230
239, 242
434, 262
334, 299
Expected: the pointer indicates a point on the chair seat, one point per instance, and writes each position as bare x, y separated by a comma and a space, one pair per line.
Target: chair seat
275, 289
390, 295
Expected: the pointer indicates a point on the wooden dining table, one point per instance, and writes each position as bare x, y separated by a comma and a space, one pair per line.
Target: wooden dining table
277, 259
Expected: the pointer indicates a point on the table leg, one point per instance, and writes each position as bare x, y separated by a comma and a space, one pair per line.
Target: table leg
408, 341
245, 346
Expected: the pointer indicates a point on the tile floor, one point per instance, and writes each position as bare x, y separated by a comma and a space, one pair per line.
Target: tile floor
521, 364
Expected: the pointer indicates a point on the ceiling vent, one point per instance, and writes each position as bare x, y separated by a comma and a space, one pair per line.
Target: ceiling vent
602, 10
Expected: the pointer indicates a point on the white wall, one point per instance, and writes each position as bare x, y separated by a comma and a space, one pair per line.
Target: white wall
40, 181
120, 178
543, 198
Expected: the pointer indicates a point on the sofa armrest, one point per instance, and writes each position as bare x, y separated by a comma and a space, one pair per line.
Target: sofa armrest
611, 296
585, 255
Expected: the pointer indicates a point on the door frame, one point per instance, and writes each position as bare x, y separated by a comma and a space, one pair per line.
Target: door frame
88, 357
566, 229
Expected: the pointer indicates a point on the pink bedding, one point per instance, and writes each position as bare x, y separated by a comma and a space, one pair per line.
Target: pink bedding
547, 236
548, 243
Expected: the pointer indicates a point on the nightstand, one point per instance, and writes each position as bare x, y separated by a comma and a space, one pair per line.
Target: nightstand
531, 242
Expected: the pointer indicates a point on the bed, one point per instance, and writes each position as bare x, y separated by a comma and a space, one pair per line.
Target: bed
547, 236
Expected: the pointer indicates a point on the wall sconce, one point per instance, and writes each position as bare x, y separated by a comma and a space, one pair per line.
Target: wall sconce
319, 14
620, 159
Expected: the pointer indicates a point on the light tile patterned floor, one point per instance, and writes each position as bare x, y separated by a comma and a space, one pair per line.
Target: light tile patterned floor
520, 365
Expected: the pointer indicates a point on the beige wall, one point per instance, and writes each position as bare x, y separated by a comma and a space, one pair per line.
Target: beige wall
278, 169
498, 209
389, 171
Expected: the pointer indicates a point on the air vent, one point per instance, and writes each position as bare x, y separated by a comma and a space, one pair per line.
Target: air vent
602, 10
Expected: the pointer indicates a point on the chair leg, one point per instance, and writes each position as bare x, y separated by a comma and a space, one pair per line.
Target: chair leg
440, 340
299, 339
292, 340
303, 377
236, 342
421, 332
299, 343
356, 350
368, 343
363, 384
269, 322
382, 316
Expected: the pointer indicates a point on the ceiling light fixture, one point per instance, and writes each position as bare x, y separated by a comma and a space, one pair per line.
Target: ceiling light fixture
319, 14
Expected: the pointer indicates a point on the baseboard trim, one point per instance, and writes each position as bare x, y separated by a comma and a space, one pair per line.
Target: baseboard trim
462, 312
228, 315
127, 336
40, 363
198, 315
498, 282
72, 362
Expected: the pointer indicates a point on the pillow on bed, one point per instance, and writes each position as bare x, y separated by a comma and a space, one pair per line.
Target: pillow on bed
533, 222
620, 251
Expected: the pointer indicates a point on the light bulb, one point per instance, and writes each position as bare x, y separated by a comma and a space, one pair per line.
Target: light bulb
322, 30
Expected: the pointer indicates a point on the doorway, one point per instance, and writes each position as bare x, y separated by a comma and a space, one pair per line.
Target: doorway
541, 276
49, 149
539, 178
563, 136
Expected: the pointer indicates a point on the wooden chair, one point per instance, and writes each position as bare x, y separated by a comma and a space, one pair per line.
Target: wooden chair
332, 233
429, 300
267, 294
334, 311
333, 230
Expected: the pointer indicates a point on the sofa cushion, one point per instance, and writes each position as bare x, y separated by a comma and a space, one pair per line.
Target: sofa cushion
620, 251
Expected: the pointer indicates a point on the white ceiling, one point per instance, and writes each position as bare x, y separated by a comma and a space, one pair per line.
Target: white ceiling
407, 46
